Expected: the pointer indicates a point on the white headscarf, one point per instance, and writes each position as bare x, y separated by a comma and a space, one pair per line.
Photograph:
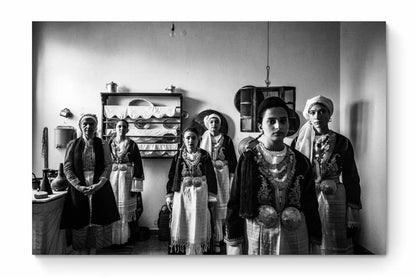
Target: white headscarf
90, 116
318, 100
304, 143
206, 141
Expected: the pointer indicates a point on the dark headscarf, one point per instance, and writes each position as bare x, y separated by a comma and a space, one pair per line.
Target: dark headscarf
270, 102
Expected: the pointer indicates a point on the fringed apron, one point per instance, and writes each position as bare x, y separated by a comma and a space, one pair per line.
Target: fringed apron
121, 179
190, 224
333, 214
223, 195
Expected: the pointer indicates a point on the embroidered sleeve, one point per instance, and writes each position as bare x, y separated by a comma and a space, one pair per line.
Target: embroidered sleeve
234, 227
309, 203
351, 179
235, 223
171, 175
293, 192
137, 162
210, 174
231, 156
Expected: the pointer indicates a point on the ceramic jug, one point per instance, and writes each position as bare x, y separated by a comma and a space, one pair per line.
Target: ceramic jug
45, 184
60, 183
111, 87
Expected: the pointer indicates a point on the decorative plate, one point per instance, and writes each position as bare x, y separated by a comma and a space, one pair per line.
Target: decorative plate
171, 123
168, 138
141, 124
140, 102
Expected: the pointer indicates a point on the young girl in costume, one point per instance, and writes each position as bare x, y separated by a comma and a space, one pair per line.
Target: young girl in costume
191, 192
272, 208
221, 149
332, 157
126, 180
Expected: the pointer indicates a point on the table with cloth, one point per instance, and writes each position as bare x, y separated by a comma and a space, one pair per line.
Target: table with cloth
47, 237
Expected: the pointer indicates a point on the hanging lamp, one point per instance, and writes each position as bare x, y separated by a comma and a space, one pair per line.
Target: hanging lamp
267, 81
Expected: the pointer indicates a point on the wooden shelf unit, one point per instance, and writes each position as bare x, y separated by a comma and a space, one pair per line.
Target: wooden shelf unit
158, 99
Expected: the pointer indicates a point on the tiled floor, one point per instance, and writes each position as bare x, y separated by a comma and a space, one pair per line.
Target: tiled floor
153, 246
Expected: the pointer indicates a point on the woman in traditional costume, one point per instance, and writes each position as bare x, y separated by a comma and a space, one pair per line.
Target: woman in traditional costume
89, 207
332, 157
191, 193
221, 149
126, 180
272, 206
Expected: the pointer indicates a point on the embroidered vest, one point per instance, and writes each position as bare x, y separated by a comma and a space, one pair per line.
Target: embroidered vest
79, 145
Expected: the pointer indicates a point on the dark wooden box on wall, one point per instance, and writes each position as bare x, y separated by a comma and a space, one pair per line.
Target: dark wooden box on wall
248, 99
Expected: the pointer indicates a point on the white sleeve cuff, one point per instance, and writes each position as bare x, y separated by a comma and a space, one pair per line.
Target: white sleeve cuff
234, 250
137, 185
212, 198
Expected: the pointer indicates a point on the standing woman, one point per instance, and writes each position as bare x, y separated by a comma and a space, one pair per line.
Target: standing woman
332, 156
273, 202
126, 180
221, 149
191, 192
89, 207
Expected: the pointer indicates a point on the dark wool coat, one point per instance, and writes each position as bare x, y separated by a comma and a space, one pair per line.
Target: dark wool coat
244, 203
343, 156
229, 153
76, 210
175, 177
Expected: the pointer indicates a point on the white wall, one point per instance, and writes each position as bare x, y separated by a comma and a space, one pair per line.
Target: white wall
207, 61
363, 119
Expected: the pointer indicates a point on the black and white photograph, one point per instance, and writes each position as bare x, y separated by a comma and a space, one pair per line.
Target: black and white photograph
209, 138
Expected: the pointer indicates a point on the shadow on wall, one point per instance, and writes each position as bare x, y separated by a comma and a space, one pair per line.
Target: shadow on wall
35, 64
302, 121
190, 105
231, 125
359, 117
124, 89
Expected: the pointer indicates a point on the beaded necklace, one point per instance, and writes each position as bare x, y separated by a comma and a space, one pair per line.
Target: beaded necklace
192, 160
277, 169
119, 152
88, 154
323, 148
216, 147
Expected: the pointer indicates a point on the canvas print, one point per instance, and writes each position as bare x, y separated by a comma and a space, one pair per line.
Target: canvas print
209, 138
